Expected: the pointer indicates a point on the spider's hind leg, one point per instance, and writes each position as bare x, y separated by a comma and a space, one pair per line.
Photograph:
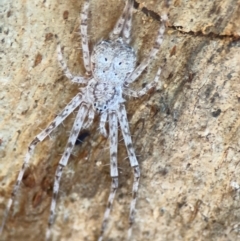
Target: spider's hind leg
144, 90
126, 32
65, 69
159, 39
124, 23
84, 36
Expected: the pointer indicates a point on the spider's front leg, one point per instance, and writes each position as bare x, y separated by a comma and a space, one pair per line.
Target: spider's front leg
90, 118
103, 120
78, 123
122, 117
72, 105
113, 135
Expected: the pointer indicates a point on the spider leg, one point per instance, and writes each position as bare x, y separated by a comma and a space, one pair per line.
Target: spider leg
126, 32
103, 120
127, 11
144, 90
113, 134
90, 118
66, 71
83, 28
78, 123
137, 72
122, 117
73, 104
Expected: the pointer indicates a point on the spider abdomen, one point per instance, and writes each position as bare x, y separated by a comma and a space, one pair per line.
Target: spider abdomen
112, 61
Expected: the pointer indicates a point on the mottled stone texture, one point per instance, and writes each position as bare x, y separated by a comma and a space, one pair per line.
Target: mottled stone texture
186, 133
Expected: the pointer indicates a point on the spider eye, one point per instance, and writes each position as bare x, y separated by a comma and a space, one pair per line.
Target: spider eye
105, 107
105, 59
95, 104
120, 63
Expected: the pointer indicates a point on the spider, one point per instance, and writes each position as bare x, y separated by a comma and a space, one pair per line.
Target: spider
110, 68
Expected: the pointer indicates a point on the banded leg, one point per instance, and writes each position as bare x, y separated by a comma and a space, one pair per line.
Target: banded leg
103, 120
122, 117
78, 123
121, 21
83, 28
137, 72
128, 23
73, 104
144, 90
65, 69
90, 118
113, 135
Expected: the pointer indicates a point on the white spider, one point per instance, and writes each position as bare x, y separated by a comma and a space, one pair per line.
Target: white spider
110, 69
